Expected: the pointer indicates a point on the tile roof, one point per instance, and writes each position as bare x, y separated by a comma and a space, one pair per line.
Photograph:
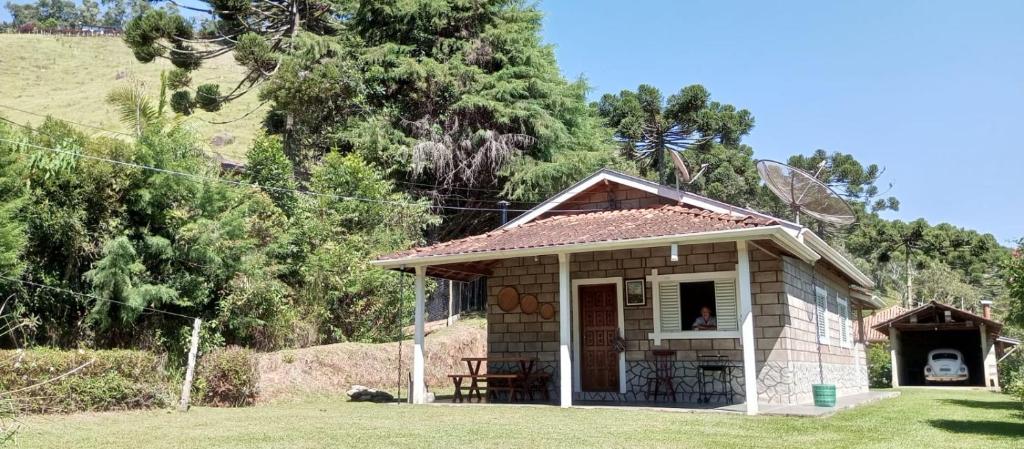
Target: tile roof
591, 227
878, 318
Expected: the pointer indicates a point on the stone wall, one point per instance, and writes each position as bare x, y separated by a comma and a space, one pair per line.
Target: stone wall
515, 334
831, 362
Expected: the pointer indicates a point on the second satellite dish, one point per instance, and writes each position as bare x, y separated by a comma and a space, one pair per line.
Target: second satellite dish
682, 173
804, 193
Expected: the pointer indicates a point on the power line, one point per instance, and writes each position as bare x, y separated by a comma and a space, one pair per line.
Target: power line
409, 183
63, 120
272, 188
69, 292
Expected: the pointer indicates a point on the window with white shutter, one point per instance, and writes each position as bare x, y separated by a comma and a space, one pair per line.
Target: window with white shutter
668, 295
844, 322
678, 300
821, 313
727, 305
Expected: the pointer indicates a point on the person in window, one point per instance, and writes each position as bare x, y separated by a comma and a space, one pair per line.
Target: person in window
705, 322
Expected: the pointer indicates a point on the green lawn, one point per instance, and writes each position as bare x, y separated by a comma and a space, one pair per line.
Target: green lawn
919, 418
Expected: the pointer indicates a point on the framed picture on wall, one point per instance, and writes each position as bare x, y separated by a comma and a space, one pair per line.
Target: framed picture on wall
635, 292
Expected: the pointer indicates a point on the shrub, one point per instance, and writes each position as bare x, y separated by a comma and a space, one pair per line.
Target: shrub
115, 380
879, 366
1011, 374
228, 377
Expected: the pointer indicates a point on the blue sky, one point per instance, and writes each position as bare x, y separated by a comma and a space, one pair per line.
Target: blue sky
930, 90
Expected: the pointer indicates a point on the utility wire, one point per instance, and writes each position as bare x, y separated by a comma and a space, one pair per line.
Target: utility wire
408, 183
63, 120
198, 177
83, 295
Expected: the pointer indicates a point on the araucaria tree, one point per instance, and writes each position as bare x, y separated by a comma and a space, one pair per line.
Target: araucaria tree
648, 126
443, 95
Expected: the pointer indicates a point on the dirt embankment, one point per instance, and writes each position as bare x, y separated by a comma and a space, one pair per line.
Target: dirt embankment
332, 369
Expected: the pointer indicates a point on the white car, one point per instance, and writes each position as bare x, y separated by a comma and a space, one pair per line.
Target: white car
945, 365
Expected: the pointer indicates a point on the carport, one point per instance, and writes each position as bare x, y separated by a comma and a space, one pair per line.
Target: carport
939, 326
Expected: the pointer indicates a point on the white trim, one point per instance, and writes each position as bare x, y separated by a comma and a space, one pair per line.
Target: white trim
819, 246
576, 283
746, 322
564, 332
821, 315
693, 277
654, 278
776, 232
419, 391
845, 330
695, 335
580, 187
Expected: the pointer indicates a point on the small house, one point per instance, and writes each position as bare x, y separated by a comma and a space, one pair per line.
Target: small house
912, 334
618, 283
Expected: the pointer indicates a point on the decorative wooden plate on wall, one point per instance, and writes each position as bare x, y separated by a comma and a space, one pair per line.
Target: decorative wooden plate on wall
547, 311
508, 298
528, 304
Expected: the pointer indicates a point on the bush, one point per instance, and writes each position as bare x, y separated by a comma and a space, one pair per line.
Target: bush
115, 380
879, 366
1011, 374
228, 377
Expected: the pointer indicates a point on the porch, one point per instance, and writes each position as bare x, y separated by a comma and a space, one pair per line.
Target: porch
596, 350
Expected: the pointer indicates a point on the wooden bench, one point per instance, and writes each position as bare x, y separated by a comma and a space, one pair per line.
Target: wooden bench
494, 383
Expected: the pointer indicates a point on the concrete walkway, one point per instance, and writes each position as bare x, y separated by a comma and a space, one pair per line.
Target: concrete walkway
809, 409
804, 410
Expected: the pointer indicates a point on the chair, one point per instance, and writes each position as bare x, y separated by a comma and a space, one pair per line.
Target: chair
711, 368
664, 375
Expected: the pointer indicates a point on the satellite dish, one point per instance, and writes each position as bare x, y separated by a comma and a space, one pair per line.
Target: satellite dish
804, 193
683, 174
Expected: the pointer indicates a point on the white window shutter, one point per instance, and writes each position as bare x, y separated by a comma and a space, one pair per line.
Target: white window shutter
668, 305
821, 313
844, 325
726, 305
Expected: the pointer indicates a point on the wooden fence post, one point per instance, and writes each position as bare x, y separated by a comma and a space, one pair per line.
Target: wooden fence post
186, 387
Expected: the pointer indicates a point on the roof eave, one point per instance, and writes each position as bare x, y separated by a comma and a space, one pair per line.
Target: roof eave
835, 258
776, 232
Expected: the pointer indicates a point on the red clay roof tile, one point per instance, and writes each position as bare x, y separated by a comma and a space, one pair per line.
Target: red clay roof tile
591, 227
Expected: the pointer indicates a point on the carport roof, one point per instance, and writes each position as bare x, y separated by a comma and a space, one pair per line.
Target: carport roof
959, 318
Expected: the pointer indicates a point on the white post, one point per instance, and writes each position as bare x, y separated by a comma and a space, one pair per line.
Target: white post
186, 386
747, 327
418, 391
451, 300
894, 359
565, 331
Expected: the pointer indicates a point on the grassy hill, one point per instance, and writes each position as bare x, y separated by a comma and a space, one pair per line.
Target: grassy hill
68, 78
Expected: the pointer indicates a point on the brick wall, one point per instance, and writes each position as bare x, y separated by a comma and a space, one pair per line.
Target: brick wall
781, 332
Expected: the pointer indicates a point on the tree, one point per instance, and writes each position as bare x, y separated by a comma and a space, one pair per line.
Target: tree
848, 177
648, 126
268, 167
443, 95
1013, 274
12, 197
115, 13
89, 12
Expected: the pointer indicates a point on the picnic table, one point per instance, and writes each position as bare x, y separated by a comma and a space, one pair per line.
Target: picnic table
524, 382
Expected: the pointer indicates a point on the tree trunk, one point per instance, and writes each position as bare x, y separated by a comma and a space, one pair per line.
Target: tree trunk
910, 283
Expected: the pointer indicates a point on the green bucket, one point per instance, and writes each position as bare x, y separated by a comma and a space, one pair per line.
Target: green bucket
824, 395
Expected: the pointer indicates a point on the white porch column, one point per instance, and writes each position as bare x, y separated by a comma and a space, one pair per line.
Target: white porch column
565, 331
894, 356
747, 327
418, 391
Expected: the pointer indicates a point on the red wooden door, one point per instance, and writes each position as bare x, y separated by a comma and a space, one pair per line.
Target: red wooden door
599, 324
